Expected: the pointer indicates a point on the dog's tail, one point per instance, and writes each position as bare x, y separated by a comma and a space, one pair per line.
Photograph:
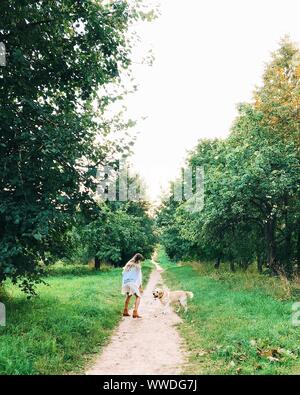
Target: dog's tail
190, 295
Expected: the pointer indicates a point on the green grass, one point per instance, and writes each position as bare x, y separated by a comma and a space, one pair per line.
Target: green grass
59, 331
235, 321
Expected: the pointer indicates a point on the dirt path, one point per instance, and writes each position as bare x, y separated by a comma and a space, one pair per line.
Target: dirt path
150, 345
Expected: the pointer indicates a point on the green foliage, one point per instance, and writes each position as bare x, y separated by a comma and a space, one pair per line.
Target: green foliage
60, 55
162, 257
115, 235
170, 231
252, 186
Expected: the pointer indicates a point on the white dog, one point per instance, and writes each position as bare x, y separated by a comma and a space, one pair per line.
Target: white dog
172, 297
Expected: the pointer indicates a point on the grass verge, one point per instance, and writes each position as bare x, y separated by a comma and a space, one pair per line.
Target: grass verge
59, 331
237, 323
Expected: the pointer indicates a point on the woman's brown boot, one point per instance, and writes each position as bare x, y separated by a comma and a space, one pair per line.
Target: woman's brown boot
126, 313
136, 314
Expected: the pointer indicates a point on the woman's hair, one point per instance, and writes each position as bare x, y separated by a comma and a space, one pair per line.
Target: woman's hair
134, 262
138, 258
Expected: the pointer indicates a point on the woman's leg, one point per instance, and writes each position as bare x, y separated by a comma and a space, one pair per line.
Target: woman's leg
137, 303
136, 306
127, 300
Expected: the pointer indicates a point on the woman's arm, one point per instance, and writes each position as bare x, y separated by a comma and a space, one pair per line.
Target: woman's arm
140, 280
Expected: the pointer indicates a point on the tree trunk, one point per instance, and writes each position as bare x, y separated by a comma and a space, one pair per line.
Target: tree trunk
288, 264
259, 263
217, 263
271, 245
97, 263
232, 266
298, 247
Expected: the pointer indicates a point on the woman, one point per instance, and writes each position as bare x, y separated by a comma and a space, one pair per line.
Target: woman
132, 284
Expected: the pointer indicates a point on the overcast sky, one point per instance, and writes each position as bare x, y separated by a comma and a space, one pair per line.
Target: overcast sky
209, 55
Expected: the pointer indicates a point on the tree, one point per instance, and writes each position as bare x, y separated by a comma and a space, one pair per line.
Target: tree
278, 99
252, 181
59, 54
119, 231
272, 177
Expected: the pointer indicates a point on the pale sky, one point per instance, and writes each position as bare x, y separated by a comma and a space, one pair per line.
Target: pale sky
209, 55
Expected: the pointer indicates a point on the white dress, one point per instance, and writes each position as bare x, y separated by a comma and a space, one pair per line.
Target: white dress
131, 281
